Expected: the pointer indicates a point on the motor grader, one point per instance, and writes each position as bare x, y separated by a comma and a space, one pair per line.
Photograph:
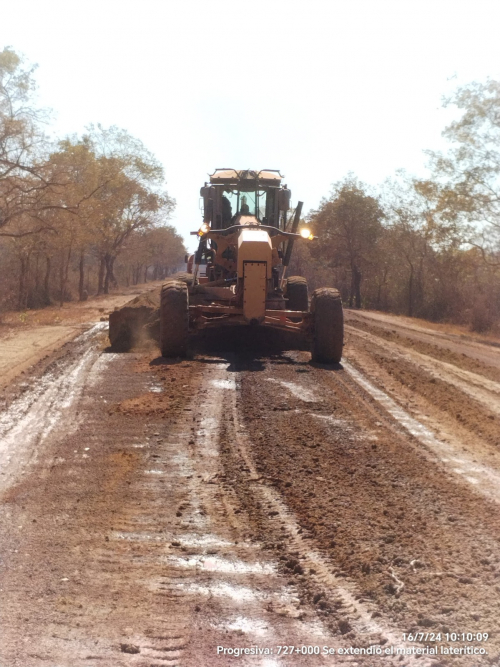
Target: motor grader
245, 246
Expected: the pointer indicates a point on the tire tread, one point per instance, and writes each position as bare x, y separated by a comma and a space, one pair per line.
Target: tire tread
174, 319
328, 341
297, 293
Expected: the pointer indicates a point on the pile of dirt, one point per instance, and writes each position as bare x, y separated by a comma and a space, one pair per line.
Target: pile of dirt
137, 321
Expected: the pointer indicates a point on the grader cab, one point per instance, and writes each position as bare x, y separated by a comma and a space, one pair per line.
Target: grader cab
245, 246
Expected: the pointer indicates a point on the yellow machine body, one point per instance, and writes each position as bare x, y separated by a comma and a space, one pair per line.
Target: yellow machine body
246, 242
255, 254
254, 245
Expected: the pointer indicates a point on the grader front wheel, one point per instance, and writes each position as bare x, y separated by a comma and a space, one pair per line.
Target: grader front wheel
296, 292
174, 319
328, 339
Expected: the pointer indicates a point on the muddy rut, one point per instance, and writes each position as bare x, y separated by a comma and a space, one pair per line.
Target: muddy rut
178, 513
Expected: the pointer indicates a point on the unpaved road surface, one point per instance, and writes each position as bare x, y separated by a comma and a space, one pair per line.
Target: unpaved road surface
158, 513
27, 338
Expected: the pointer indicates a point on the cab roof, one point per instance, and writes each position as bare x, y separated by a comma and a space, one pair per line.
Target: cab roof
235, 176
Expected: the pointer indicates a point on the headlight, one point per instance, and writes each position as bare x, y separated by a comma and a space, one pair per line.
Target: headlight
204, 229
306, 233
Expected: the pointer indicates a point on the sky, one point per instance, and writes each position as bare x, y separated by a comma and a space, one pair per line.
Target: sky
315, 88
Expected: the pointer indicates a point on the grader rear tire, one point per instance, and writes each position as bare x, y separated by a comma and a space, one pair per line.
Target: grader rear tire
297, 294
184, 277
328, 340
174, 319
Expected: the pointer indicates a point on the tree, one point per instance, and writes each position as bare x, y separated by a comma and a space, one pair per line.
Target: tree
71, 208
466, 185
410, 231
132, 197
349, 224
160, 250
77, 169
24, 184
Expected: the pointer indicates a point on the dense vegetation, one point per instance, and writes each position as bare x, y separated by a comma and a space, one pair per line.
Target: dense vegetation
76, 215
424, 248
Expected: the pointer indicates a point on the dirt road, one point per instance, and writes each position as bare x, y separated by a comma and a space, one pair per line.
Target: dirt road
27, 338
158, 513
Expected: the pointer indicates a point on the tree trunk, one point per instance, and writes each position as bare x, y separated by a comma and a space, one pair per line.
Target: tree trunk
22, 284
64, 275
106, 278
46, 281
61, 285
100, 277
81, 282
357, 275
37, 274
410, 292
110, 277
351, 291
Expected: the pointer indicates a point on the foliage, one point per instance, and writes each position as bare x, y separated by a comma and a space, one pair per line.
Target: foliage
68, 211
466, 183
349, 223
410, 252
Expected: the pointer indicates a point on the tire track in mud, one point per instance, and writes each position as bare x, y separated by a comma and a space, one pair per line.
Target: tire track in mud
136, 553
476, 386
46, 404
355, 615
87, 585
485, 479
462, 350
185, 506
365, 495
456, 421
82, 467
351, 613
235, 586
